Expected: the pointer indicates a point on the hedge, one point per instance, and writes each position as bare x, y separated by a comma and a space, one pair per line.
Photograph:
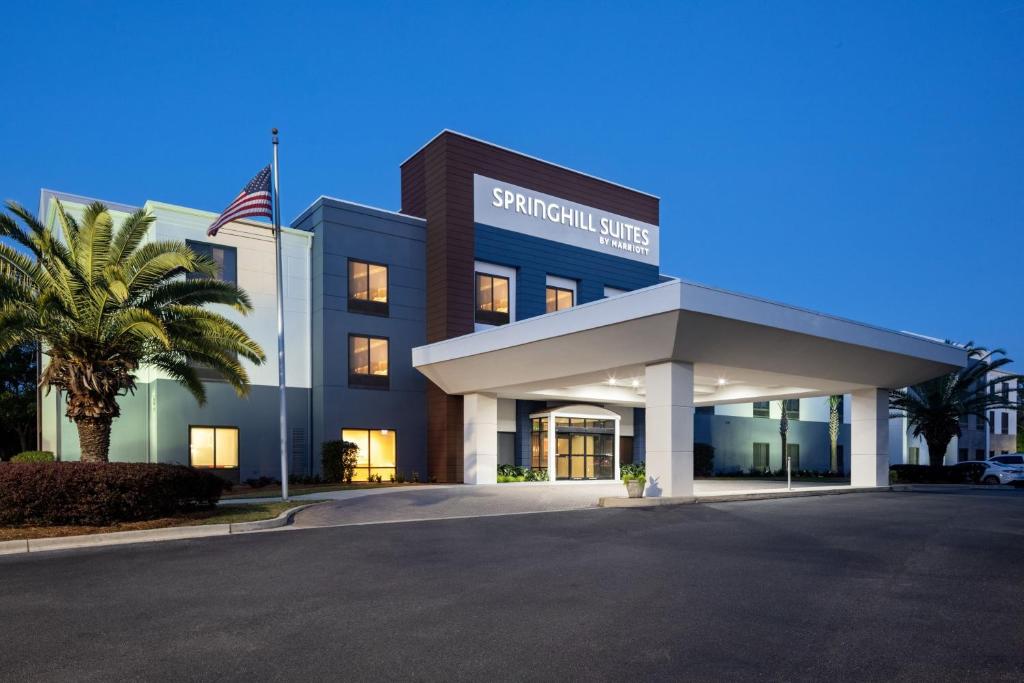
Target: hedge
99, 494
33, 456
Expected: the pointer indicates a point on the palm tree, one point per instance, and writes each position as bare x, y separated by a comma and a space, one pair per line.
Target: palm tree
934, 409
834, 403
103, 304
783, 431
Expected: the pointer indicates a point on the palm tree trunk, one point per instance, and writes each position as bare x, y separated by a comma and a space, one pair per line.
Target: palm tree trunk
936, 447
94, 438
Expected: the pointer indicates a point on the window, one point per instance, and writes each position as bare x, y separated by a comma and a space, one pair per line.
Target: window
792, 406
376, 454
367, 287
368, 361
1004, 423
793, 453
979, 423
557, 299
991, 422
761, 454
913, 455
962, 455
539, 443
226, 259
1006, 392
761, 409
213, 447
492, 299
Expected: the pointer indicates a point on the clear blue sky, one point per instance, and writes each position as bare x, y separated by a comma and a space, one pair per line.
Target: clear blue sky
862, 159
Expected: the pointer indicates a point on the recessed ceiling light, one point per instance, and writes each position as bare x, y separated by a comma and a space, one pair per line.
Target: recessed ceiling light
636, 383
611, 381
721, 381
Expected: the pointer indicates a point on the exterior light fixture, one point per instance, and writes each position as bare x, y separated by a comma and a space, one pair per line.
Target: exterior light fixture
611, 381
636, 383
721, 381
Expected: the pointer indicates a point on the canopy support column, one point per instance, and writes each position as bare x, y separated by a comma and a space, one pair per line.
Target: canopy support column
669, 429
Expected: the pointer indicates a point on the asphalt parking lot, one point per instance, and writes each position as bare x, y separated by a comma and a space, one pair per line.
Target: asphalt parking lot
921, 586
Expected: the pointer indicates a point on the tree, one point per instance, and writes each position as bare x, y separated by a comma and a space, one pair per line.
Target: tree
834, 421
17, 400
102, 304
934, 409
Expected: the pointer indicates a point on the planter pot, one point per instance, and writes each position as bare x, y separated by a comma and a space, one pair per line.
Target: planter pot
635, 488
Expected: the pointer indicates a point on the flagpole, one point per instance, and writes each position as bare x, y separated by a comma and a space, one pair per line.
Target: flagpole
280, 328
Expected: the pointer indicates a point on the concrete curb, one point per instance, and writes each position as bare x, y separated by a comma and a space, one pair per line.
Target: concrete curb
617, 502
952, 488
36, 545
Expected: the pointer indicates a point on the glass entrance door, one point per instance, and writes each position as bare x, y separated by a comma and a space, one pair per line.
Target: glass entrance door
584, 448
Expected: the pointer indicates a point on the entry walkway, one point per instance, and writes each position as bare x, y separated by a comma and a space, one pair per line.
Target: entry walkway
375, 506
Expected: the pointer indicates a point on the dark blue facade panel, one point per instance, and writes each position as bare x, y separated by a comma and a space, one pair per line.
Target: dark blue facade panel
536, 258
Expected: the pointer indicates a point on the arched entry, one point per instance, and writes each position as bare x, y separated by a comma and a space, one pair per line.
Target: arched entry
576, 442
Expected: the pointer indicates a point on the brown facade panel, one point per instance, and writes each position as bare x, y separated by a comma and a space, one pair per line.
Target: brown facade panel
437, 184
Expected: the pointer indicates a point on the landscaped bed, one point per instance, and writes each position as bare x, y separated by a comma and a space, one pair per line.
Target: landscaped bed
228, 514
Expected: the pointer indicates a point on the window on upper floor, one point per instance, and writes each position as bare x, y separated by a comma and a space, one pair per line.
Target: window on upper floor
557, 299
1004, 423
368, 362
762, 409
492, 299
992, 422
367, 287
792, 407
226, 259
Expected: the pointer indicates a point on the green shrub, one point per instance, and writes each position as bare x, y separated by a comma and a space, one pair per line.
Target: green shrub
536, 475
636, 470
33, 456
338, 459
99, 494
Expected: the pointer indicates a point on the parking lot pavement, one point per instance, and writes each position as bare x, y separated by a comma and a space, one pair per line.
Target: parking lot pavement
880, 586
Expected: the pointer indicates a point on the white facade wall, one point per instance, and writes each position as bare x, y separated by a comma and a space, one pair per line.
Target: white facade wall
257, 273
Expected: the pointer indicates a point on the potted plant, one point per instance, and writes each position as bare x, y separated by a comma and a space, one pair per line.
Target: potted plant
634, 477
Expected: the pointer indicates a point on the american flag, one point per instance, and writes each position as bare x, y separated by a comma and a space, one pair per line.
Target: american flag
253, 200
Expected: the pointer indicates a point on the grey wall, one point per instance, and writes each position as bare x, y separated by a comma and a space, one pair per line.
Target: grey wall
256, 417
345, 230
733, 439
154, 423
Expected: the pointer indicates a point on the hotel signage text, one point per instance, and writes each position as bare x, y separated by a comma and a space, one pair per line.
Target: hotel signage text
510, 207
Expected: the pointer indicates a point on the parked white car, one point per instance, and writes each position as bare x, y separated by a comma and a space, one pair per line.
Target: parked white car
1009, 459
985, 472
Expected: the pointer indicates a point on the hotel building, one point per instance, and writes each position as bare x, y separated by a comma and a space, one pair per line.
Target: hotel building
512, 311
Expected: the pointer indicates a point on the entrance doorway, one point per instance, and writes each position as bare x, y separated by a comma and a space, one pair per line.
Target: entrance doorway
579, 442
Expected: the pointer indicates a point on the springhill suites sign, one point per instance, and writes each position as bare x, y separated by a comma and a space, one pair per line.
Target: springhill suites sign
510, 207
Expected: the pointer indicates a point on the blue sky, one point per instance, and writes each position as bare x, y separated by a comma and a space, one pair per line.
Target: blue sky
862, 159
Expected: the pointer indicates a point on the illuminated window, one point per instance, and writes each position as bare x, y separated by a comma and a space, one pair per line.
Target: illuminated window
213, 447
368, 361
367, 287
557, 299
492, 299
376, 454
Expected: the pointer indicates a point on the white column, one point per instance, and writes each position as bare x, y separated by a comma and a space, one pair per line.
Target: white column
479, 439
669, 428
869, 437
